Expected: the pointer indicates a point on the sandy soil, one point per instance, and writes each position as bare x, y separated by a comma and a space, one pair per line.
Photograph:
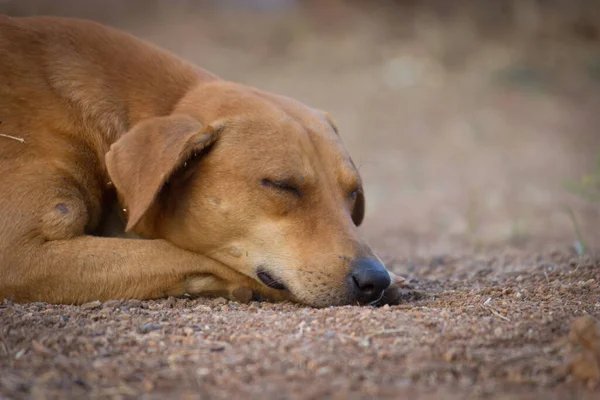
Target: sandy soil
494, 329
464, 141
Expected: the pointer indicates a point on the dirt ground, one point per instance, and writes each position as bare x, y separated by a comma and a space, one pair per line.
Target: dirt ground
465, 133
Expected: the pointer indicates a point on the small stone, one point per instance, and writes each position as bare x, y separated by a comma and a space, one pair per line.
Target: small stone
170, 303
106, 311
148, 385
220, 301
133, 303
20, 353
450, 355
91, 306
40, 348
589, 282
112, 303
147, 328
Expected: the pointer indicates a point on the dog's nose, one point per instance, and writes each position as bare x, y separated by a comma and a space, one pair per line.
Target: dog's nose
369, 279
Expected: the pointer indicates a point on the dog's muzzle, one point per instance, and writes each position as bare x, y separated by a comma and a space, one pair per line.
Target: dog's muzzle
368, 279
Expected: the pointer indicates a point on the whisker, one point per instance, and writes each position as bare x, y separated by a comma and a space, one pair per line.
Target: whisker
376, 301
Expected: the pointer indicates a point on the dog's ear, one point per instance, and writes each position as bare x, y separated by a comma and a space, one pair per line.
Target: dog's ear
329, 120
144, 158
358, 213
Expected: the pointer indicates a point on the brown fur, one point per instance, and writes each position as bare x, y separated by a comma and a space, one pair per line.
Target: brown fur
108, 122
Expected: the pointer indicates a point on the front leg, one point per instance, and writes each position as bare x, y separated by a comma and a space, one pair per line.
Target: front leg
88, 268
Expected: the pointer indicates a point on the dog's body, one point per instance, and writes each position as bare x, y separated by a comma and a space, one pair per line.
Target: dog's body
230, 186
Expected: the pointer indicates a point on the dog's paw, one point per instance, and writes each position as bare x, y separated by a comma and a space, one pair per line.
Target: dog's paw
242, 294
205, 284
246, 294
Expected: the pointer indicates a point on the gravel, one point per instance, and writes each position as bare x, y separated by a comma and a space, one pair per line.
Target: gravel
497, 334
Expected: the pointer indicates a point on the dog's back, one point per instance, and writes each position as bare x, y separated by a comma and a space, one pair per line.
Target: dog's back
101, 75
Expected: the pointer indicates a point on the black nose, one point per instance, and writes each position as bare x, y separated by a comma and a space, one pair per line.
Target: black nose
368, 279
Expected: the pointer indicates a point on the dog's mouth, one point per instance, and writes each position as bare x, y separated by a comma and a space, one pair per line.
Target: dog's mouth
268, 279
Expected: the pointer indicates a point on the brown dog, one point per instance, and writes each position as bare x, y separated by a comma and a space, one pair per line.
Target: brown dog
231, 187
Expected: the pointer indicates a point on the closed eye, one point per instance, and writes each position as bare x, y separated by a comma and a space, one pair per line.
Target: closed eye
282, 186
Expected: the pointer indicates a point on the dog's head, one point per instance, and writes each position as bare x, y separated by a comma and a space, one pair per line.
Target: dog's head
258, 182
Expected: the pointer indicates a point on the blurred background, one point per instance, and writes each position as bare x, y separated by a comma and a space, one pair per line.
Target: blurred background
476, 124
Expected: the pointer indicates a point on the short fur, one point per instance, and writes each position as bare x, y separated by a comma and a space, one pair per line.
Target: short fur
98, 128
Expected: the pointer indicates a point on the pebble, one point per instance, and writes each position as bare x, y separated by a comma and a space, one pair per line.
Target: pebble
450, 355
112, 303
106, 311
169, 345
133, 303
220, 301
149, 327
203, 308
91, 306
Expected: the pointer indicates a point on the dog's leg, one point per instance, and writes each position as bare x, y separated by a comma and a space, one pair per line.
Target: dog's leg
89, 268
45, 254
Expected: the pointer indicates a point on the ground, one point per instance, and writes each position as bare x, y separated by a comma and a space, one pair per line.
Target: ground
466, 141
478, 326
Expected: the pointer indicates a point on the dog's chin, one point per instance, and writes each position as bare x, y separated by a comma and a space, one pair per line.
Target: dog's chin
323, 299
336, 297
327, 298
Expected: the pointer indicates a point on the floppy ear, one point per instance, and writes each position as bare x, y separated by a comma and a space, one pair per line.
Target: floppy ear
144, 158
330, 121
358, 213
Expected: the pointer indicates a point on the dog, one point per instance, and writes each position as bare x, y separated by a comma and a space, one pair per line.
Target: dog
127, 172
